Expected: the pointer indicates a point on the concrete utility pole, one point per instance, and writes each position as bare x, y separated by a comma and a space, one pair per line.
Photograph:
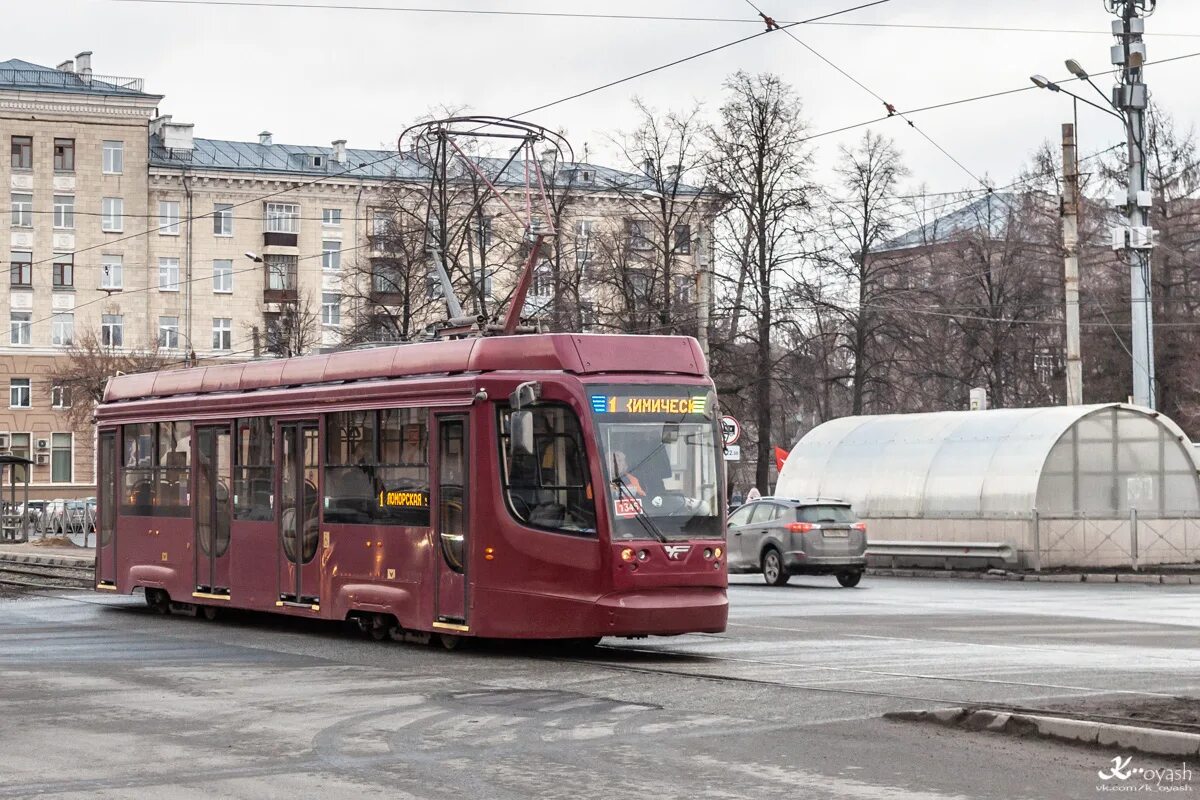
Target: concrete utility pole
1136, 239
1070, 232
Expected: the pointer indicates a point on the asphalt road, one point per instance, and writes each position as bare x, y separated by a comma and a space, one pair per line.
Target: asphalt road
100, 698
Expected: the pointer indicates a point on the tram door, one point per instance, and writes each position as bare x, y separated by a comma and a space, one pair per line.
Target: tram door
299, 513
450, 523
212, 511
106, 528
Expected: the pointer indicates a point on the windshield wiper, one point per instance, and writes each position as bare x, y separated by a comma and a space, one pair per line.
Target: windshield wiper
639, 513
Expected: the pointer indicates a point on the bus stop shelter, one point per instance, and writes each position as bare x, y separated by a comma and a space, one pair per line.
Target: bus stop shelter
14, 520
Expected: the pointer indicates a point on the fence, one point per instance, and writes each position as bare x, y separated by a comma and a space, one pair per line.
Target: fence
75, 523
1046, 542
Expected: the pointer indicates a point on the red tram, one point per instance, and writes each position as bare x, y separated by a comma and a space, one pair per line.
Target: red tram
545, 486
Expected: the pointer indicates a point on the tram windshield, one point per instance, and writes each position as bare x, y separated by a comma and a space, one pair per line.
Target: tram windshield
659, 448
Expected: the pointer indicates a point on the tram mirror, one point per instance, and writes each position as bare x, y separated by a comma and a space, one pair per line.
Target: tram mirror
526, 394
670, 432
520, 432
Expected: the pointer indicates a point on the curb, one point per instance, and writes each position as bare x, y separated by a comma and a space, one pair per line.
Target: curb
1154, 741
1146, 578
46, 561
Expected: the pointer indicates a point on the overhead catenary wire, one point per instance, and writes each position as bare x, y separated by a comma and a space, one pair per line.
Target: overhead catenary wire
362, 7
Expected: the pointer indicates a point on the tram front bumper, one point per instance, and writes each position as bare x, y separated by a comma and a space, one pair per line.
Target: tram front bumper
663, 612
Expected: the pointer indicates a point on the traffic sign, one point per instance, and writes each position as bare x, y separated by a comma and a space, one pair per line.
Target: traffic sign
731, 430
733, 452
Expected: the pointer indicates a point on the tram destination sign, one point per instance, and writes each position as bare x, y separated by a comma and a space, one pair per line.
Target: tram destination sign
648, 404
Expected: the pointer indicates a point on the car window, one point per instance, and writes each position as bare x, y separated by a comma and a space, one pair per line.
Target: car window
765, 512
825, 514
741, 516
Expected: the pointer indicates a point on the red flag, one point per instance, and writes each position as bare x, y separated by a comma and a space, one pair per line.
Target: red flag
780, 456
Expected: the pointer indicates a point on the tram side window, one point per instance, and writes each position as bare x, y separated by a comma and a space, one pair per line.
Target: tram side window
376, 467
550, 488
157, 469
254, 471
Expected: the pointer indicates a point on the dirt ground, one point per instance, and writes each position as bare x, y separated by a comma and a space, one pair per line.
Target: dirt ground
1175, 713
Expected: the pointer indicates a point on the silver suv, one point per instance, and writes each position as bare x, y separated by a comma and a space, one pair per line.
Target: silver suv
781, 537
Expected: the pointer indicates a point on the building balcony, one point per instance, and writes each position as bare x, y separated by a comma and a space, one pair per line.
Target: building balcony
272, 239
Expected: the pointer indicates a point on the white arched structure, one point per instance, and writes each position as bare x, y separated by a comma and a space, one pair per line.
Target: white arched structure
1060, 480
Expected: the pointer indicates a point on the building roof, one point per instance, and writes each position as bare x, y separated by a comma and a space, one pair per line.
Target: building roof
22, 75
989, 213
228, 155
1061, 460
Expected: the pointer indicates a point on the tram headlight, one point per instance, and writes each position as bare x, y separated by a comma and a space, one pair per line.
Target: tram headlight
708, 553
627, 554
643, 555
718, 553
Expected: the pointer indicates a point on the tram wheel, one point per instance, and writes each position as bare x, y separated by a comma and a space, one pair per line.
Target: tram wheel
450, 641
381, 624
159, 600
210, 612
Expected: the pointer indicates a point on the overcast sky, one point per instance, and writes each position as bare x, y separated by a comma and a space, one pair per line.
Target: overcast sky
311, 76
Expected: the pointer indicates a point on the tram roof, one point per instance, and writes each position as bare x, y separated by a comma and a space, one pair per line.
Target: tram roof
563, 352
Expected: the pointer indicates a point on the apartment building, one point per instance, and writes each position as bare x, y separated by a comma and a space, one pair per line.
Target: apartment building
77, 182
126, 226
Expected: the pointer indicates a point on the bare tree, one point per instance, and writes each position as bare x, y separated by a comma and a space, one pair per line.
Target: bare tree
83, 375
293, 330
760, 165
862, 218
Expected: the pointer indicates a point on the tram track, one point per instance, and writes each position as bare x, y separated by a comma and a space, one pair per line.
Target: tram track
937, 702
20, 575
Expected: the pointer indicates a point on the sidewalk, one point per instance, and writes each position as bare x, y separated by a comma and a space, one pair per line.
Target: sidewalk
1147, 576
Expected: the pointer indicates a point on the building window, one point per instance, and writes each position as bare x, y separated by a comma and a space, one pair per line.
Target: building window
20, 268
60, 457
19, 446
683, 239
168, 217
111, 272
381, 222
281, 272
64, 271
222, 333
19, 327
112, 215
64, 211
114, 157
223, 276
331, 309
62, 330
636, 230
283, 218
22, 152
543, 281
583, 243
22, 211
168, 274
684, 287
112, 330
20, 393
64, 155
223, 219
168, 332
331, 216
331, 256
60, 396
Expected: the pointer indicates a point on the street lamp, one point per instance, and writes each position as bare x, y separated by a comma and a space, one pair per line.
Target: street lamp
1044, 83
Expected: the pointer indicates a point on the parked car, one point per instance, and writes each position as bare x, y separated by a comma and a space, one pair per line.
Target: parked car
64, 517
780, 537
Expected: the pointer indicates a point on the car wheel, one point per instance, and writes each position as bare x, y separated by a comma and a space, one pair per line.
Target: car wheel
849, 579
772, 568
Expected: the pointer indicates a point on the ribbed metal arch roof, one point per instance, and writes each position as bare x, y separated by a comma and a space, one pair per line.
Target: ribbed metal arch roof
985, 464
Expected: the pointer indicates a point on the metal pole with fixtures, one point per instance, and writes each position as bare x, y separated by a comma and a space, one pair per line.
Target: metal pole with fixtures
1136, 238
